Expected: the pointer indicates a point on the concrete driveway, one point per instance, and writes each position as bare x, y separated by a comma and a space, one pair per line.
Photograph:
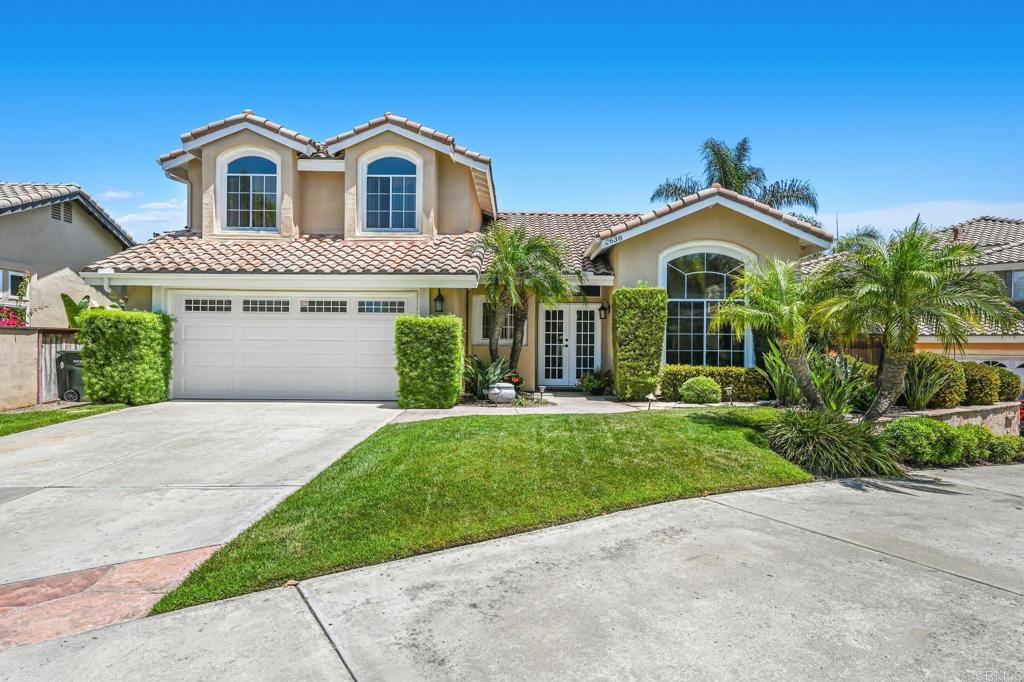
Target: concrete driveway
159, 479
843, 580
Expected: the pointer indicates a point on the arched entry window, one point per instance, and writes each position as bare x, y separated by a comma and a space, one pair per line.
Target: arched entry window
251, 194
391, 194
696, 284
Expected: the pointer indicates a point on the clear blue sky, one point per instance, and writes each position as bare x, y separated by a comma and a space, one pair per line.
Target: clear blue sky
582, 106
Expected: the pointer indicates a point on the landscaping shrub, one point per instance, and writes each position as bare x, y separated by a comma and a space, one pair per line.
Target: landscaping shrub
126, 356
955, 387
982, 384
779, 376
748, 384
1006, 449
700, 390
930, 442
864, 392
429, 353
922, 383
827, 444
1009, 384
640, 315
479, 375
837, 381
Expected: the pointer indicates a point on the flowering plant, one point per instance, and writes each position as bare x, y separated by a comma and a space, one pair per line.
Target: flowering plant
11, 316
514, 378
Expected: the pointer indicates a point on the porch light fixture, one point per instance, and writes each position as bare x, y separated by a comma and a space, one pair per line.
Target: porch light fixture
438, 303
602, 312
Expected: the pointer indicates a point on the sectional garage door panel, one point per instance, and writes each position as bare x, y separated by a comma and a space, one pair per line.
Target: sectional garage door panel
302, 347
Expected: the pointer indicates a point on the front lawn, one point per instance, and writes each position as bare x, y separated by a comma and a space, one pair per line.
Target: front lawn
417, 487
13, 422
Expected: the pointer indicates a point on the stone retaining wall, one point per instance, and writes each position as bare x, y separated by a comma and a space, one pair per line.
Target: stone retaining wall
1000, 419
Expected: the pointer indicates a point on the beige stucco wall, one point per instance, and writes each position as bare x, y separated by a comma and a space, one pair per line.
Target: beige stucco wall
195, 195
55, 251
287, 178
322, 205
18, 366
139, 298
458, 208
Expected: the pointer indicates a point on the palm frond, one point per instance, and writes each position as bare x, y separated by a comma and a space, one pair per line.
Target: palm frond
674, 189
786, 193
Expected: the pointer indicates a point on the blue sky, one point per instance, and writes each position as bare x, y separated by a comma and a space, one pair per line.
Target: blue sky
582, 106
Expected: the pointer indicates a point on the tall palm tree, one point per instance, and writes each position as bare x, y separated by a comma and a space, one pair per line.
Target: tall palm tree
518, 266
893, 286
772, 297
731, 168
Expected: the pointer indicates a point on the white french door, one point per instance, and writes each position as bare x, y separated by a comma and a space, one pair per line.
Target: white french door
569, 343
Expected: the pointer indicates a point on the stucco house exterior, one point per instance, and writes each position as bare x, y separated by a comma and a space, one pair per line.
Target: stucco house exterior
51, 232
299, 255
1001, 241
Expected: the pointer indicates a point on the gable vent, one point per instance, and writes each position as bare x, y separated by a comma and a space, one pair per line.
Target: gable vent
67, 211
55, 211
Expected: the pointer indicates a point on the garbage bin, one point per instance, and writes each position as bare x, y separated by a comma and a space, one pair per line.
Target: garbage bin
69, 375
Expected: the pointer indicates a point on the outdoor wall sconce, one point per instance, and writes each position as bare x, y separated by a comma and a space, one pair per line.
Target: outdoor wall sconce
602, 312
438, 303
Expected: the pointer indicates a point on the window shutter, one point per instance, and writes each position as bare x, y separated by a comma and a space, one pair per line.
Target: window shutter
67, 211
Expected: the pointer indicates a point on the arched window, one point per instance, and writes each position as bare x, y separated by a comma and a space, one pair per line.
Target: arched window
697, 283
252, 194
391, 194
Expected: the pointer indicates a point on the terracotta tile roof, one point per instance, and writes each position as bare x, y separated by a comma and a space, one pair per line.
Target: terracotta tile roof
245, 117
188, 252
21, 196
986, 231
576, 231
413, 126
714, 190
172, 155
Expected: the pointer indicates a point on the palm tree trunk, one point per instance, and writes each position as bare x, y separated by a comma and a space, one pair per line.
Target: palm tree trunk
519, 315
796, 358
498, 314
891, 376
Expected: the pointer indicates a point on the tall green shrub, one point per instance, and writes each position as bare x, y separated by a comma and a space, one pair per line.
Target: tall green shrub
955, 386
924, 441
126, 356
982, 384
640, 315
748, 385
1009, 384
429, 351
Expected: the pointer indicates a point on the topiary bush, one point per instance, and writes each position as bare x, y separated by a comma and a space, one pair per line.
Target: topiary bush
828, 445
126, 356
982, 384
1006, 449
700, 390
640, 315
748, 385
1009, 384
955, 386
429, 352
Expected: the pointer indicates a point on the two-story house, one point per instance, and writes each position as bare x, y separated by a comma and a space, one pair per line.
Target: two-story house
1001, 241
299, 255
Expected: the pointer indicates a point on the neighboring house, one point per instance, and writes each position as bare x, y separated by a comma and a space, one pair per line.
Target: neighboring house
299, 255
1002, 243
52, 231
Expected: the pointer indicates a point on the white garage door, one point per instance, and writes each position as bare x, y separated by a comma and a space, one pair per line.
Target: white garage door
317, 346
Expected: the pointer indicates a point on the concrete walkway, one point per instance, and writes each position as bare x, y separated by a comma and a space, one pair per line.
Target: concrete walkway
847, 580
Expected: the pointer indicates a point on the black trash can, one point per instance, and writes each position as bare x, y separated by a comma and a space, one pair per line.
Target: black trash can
69, 375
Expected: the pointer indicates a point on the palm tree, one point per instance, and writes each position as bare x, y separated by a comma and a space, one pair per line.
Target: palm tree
772, 297
892, 287
847, 241
518, 266
730, 167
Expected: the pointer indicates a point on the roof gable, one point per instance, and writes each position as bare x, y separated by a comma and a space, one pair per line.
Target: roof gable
715, 195
247, 120
23, 196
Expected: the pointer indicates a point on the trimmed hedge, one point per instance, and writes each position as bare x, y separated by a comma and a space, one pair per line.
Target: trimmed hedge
929, 442
748, 385
640, 316
429, 353
1009, 384
954, 390
982, 384
126, 356
700, 390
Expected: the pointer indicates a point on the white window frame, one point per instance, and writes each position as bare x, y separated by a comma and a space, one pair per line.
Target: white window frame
478, 325
8, 294
380, 153
222, 190
706, 246
1011, 292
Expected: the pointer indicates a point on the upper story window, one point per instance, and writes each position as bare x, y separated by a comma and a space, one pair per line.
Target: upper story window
391, 194
252, 194
1017, 285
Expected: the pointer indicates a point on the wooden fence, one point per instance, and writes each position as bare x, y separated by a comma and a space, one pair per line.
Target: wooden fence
51, 341
28, 364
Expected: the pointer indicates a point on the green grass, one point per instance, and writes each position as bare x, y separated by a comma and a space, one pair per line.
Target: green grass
13, 422
413, 488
